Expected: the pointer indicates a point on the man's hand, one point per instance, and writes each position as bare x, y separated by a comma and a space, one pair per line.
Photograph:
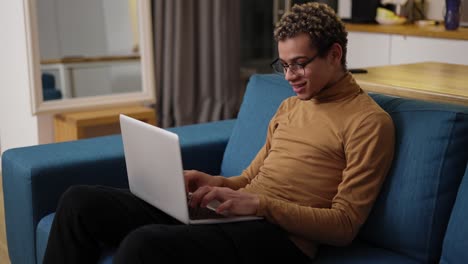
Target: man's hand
195, 179
232, 202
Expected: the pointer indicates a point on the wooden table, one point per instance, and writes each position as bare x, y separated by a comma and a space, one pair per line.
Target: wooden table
87, 124
440, 82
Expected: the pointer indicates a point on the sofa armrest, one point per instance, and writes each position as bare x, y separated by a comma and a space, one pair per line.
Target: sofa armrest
35, 177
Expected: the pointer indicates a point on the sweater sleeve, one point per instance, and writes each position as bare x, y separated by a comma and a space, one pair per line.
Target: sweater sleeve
369, 151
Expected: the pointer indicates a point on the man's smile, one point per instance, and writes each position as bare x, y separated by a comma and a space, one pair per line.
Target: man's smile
299, 87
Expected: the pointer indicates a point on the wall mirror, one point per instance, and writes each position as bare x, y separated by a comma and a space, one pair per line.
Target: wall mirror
89, 53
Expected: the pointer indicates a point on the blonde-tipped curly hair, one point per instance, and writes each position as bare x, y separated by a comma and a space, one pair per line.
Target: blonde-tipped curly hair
319, 21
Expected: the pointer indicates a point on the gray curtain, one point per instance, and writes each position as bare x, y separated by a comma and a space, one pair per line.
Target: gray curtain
196, 60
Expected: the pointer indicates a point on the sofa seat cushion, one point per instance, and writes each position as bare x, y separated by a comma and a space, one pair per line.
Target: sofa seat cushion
42, 235
455, 248
412, 211
359, 253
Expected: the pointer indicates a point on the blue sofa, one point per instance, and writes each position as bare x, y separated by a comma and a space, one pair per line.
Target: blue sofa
418, 217
49, 90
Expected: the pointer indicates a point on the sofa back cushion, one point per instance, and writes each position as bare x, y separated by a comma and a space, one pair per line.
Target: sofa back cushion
412, 211
262, 98
455, 248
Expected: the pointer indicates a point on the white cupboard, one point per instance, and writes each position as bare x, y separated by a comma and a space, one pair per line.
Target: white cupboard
377, 49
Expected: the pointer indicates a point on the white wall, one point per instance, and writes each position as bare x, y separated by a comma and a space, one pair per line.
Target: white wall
89, 28
118, 28
124, 78
18, 126
47, 21
84, 27
435, 9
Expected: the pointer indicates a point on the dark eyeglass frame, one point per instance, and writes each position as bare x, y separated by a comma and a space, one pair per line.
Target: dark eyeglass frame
293, 67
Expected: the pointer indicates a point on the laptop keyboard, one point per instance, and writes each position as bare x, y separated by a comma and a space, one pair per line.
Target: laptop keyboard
199, 213
203, 213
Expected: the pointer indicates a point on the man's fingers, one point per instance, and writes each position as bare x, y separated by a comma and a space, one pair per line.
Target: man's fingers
198, 195
224, 208
191, 180
213, 194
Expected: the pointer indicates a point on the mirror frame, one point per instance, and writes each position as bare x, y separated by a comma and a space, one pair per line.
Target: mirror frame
147, 94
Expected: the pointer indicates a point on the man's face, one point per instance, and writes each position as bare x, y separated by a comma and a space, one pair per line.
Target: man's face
316, 74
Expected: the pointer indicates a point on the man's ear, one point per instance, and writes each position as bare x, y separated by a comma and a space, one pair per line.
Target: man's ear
335, 53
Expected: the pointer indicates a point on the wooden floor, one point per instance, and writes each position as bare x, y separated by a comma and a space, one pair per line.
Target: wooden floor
3, 245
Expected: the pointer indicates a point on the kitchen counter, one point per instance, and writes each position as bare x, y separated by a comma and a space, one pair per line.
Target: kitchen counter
432, 81
431, 31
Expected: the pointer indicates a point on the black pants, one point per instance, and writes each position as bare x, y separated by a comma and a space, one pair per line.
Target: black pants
90, 219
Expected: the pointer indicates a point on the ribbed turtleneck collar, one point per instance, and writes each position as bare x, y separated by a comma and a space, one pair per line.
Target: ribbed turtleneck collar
345, 87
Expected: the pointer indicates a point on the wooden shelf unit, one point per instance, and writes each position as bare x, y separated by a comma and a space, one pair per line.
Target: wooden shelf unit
87, 124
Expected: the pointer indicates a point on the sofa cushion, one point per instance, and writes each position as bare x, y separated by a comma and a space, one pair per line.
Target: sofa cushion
42, 235
48, 81
412, 211
359, 253
455, 248
264, 94
51, 94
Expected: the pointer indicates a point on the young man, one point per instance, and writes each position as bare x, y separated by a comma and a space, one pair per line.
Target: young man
315, 180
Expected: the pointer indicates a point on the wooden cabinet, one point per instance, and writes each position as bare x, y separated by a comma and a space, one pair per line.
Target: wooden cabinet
87, 124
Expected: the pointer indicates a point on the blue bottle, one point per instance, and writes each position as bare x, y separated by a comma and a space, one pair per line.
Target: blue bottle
452, 14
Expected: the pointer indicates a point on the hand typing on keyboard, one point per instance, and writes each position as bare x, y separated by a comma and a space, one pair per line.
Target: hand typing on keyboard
211, 205
225, 200
197, 213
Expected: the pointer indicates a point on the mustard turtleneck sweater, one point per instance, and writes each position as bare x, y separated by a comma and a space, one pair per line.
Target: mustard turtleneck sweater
322, 166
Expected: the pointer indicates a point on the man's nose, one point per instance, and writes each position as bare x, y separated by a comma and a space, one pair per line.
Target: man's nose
290, 75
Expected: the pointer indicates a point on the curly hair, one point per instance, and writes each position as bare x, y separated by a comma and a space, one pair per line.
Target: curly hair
319, 21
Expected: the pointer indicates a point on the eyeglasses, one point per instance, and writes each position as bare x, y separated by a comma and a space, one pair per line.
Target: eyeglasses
297, 69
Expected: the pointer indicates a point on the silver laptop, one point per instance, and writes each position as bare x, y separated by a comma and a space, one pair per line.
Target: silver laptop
155, 173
